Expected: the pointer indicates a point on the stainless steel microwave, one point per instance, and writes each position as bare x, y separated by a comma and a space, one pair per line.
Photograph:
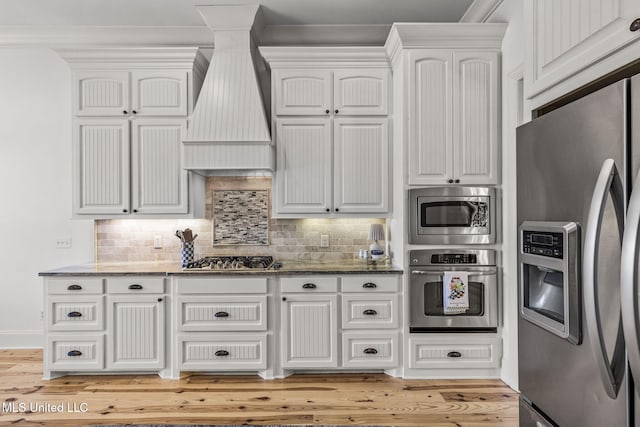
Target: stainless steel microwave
452, 215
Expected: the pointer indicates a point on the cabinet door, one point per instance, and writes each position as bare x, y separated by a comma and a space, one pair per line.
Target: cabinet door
430, 155
302, 92
101, 93
361, 164
101, 166
155, 93
136, 332
310, 331
361, 92
475, 115
159, 181
303, 173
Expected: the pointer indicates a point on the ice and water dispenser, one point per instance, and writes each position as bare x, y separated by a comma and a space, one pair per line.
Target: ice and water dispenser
549, 259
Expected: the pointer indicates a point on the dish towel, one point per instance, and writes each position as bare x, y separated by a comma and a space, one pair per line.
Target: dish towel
455, 292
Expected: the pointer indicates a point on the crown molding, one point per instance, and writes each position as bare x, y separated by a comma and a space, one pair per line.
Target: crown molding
114, 58
323, 35
481, 10
112, 36
319, 57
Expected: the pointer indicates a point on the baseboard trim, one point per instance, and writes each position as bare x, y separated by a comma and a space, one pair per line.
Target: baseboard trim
21, 339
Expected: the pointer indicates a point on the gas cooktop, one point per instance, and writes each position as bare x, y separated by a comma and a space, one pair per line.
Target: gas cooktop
233, 263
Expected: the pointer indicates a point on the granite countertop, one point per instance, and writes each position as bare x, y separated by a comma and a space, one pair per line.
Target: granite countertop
168, 268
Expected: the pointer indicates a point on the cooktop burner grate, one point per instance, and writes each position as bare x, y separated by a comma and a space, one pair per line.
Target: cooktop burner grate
231, 263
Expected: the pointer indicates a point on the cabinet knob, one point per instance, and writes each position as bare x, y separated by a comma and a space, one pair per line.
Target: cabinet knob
327, 111
369, 312
159, 299
369, 285
450, 181
134, 111
457, 181
74, 353
221, 314
73, 314
370, 350
337, 210
221, 353
328, 210
125, 112
135, 210
124, 210
74, 288
337, 111
454, 354
135, 287
284, 298
309, 286
635, 25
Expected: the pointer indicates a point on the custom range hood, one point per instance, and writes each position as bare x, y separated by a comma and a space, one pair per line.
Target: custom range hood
229, 130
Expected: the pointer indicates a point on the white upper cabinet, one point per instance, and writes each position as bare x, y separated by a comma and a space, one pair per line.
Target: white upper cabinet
101, 153
571, 43
159, 93
302, 92
307, 92
159, 182
453, 115
303, 183
101, 93
361, 165
361, 92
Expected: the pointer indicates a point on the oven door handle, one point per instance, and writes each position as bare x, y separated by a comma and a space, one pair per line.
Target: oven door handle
608, 182
441, 273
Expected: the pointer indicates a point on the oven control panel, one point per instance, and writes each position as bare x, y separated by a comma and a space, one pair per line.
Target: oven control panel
542, 243
453, 259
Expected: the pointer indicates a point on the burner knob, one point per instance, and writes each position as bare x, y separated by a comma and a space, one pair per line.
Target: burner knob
219, 265
239, 264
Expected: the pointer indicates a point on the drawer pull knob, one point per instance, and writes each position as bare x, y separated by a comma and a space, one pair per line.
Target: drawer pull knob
222, 353
635, 25
369, 285
370, 350
369, 312
74, 314
135, 287
309, 286
74, 353
74, 288
221, 314
454, 354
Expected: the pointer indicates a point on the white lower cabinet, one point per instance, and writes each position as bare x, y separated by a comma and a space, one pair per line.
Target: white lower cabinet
74, 352
219, 352
370, 349
455, 352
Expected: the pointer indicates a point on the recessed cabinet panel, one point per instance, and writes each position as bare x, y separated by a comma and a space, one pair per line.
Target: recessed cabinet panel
159, 181
101, 149
430, 140
302, 92
159, 93
75, 313
361, 162
303, 165
222, 313
74, 352
222, 352
101, 93
361, 92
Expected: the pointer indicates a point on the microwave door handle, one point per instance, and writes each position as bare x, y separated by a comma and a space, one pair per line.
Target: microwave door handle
608, 181
629, 280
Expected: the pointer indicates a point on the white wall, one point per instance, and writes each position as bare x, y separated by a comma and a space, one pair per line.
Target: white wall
35, 187
512, 104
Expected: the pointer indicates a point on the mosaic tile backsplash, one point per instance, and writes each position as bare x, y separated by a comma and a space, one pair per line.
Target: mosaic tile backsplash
125, 240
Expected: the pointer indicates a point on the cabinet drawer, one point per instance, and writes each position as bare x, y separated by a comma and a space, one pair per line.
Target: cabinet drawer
369, 311
309, 284
80, 313
370, 350
221, 285
375, 283
222, 352
136, 285
75, 352
455, 353
74, 286
222, 313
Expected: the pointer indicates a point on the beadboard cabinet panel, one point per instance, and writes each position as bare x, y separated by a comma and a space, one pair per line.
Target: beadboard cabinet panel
101, 151
361, 165
361, 92
302, 92
159, 181
303, 175
101, 93
159, 93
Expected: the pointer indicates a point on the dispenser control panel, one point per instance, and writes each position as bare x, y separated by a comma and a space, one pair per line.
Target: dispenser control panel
542, 243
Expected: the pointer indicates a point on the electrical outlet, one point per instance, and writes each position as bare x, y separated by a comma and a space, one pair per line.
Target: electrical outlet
63, 243
324, 240
41, 314
157, 241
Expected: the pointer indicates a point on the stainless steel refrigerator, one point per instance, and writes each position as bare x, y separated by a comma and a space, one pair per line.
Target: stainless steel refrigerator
578, 252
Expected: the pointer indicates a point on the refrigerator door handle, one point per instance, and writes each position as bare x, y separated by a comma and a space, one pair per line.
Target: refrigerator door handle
609, 182
629, 281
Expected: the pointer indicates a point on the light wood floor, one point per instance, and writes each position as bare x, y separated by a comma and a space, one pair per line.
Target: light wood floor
209, 399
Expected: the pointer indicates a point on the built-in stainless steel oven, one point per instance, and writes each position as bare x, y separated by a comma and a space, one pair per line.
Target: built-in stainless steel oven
452, 215
428, 292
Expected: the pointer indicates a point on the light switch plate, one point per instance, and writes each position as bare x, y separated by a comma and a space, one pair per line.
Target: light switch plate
63, 242
324, 240
157, 241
